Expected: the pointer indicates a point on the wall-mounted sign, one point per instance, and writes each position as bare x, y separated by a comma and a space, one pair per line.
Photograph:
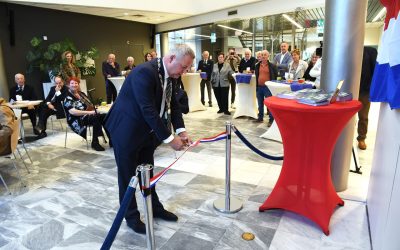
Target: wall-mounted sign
320, 26
213, 37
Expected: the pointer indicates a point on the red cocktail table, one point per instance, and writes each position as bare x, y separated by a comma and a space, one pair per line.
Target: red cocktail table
309, 135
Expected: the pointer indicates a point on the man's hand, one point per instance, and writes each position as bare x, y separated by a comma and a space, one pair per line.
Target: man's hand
177, 143
185, 138
58, 88
51, 106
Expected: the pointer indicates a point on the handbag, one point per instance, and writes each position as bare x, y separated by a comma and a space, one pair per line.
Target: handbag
7, 119
5, 140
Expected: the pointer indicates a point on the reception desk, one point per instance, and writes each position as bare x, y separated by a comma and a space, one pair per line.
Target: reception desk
246, 99
191, 82
309, 135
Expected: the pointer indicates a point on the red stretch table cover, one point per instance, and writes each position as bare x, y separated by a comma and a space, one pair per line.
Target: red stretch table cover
309, 135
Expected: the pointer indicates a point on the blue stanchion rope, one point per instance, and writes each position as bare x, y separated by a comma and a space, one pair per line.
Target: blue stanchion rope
256, 150
130, 192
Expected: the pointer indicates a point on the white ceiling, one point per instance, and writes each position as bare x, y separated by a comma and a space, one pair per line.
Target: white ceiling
154, 12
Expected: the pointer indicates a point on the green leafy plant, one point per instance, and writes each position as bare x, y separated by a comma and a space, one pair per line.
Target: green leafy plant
48, 57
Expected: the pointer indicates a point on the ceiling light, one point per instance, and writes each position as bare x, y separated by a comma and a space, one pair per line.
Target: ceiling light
379, 15
292, 21
202, 35
230, 28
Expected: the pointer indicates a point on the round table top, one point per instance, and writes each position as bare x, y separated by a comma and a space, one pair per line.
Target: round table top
24, 104
287, 104
192, 74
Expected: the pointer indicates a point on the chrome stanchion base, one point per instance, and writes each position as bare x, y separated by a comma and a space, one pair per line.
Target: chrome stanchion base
235, 205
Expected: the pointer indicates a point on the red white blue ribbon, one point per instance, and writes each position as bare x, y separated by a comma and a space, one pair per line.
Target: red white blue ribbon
157, 177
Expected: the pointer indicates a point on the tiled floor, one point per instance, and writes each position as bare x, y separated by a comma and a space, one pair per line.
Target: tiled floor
71, 197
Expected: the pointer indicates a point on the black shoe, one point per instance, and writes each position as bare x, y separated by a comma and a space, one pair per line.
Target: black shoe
137, 226
227, 113
36, 131
42, 134
220, 111
210, 104
203, 103
269, 124
96, 146
165, 215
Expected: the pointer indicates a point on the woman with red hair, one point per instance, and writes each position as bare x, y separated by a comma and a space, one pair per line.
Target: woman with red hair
80, 114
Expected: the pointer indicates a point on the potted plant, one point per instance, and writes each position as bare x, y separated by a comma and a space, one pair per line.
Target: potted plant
48, 59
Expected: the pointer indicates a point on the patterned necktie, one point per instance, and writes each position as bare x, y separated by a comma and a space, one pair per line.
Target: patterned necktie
168, 95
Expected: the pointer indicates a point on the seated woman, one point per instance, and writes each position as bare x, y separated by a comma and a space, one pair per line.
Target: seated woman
297, 67
311, 64
80, 113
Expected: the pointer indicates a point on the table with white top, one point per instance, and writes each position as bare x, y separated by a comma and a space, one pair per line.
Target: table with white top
273, 132
118, 81
191, 82
246, 99
17, 106
103, 109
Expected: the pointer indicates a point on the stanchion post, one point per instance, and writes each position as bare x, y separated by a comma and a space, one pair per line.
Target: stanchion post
144, 170
229, 204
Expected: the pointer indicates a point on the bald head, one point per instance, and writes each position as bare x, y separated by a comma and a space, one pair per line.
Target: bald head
20, 79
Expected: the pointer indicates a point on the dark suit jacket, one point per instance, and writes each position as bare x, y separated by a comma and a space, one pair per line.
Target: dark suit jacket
135, 113
27, 94
208, 68
109, 70
367, 70
56, 100
244, 65
273, 71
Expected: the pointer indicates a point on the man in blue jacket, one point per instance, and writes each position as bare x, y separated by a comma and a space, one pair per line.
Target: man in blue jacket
141, 119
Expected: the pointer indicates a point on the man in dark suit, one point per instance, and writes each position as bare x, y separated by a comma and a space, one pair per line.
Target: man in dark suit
110, 68
265, 71
367, 71
282, 60
247, 62
140, 120
52, 105
25, 92
206, 65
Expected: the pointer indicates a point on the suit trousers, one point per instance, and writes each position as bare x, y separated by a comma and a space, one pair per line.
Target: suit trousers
362, 126
203, 84
111, 92
32, 115
233, 88
45, 113
222, 94
127, 161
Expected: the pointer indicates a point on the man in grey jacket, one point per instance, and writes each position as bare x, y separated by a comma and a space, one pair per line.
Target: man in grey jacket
282, 60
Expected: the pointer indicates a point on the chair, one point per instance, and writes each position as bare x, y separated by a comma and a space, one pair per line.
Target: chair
46, 90
21, 135
66, 129
14, 142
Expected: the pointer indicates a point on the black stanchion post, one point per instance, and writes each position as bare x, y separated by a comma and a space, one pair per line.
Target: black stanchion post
144, 170
229, 204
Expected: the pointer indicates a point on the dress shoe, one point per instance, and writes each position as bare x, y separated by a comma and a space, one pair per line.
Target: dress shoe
96, 146
260, 120
220, 111
227, 113
165, 215
203, 103
269, 124
36, 131
362, 145
42, 134
137, 226
210, 104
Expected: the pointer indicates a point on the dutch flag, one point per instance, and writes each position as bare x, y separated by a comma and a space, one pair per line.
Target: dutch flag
385, 86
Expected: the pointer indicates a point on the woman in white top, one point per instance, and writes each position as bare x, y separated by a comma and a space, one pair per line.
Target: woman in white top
297, 67
316, 72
